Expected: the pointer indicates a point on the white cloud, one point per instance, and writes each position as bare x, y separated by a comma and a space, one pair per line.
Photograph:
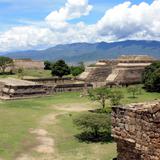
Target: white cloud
124, 21
72, 9
26, 37
51, 33
131, 21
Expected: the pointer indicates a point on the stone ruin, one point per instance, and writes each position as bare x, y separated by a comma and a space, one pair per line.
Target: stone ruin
11, 88
28, 64
129, 70
98, 73
65, 84
25, 64
125, 70
136, 130
50, 81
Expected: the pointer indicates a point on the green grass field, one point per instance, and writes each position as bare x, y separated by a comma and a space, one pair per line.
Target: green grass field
29, 73
53, 114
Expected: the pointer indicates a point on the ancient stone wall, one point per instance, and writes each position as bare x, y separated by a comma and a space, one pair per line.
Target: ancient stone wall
96, 74
72, 87
125, 76
13, 89
28, 64
51, 81
55, 84
99, 74
136, 129
129, 70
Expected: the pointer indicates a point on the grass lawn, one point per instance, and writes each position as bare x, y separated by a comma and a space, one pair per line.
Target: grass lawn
37, 73
18, 117
30, 73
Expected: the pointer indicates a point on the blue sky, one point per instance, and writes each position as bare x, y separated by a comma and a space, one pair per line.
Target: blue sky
37, 24
19, 12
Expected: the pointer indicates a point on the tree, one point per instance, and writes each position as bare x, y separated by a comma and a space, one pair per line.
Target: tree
5, 62
20, 73
134, 90
47, 65
94, 123
60, 68
77, 70
115, 97
100, 95
151, 77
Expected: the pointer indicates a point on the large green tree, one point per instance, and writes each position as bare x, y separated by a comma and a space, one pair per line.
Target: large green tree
5, 62
60, 68
151, 77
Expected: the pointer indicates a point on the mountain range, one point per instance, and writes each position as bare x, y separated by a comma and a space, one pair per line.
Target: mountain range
86, 52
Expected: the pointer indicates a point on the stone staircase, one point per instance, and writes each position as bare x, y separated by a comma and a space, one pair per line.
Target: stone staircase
99, 74
112, 77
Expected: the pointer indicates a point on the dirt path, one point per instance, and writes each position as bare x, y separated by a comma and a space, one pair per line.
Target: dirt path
45, 143
73, 107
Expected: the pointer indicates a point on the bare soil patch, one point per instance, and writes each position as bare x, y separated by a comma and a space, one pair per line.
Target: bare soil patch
39, 132
76, 107
25, 157
46, 145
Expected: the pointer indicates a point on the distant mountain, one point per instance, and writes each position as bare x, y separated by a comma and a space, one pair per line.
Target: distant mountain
77, 52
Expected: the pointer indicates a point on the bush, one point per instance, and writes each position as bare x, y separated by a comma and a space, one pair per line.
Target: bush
151, 77
77, 70
115, 97
134, 90
95, 125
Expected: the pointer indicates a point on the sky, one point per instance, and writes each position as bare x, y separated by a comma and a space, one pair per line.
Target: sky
38, 24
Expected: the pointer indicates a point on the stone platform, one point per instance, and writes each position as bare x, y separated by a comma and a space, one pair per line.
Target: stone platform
11, 88
129, 70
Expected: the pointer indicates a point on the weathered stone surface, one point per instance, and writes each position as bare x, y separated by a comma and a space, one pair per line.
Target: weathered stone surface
28, 64
11, 88
136, 129
98, 73
129, 69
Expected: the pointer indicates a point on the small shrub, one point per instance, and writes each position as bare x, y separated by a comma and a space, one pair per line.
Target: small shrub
115, 97
95, 126
134, 90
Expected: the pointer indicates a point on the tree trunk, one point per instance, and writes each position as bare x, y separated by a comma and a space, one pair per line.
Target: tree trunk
96, 133
103, 103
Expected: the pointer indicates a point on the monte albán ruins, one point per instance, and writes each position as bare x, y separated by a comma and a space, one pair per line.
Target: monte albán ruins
123, 71
135, 127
